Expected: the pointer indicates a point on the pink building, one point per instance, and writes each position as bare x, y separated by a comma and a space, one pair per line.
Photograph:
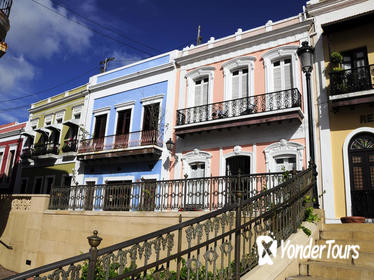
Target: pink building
240, 103
10, 150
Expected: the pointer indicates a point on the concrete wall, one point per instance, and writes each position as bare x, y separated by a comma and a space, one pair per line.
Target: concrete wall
44, 236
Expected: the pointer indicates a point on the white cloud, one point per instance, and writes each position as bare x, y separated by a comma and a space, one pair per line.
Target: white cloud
38, 32
123, 58
16, 69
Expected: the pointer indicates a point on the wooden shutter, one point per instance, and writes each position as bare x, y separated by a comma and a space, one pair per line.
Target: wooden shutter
205, 91
277, 79
244, 77
288, 74
235, 84
198, 93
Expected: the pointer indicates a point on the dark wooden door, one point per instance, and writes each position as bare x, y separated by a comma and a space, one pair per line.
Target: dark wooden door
148, 195
117, 195
234, 166
123, 129
99, 133
361, 165
150, 124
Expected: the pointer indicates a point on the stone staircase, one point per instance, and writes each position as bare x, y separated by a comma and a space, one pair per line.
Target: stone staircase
342, 269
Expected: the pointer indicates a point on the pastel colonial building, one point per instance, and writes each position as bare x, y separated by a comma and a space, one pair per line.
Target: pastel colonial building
240, 103
344, 58
127, 122
51, 137
11, 142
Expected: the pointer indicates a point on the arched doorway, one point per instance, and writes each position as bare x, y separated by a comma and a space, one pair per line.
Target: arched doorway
361, 169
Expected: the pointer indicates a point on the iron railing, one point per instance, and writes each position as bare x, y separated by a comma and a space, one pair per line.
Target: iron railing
70, 145
219, 245
120, 141
44, 149
352, 80
26, 152
5, 6
207, 193
240, 107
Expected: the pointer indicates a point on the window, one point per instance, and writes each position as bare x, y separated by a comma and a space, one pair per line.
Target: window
123, 122
197, 170
201, 91
282, 74
100, 126
355, 58
48, 120
1, 161
38, 185
10, 165
151, 116
240, 83
196, 189
285, 162
281, 69
49, 182
77, 116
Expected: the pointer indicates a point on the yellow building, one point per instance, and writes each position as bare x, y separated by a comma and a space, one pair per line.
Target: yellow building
344, 45
49, 152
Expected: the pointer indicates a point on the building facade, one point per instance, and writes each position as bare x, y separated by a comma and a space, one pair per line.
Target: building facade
11, 143
344, 54
240, 103
127, 123
51, 139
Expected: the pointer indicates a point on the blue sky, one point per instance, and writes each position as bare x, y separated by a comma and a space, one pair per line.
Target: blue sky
49, 53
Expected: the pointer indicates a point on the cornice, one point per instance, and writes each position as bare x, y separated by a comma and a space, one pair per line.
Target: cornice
11, 133
58, 102
330, 5
246, 42
134, 76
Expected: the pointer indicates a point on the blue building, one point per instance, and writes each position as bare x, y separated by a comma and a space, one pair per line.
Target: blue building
127, 123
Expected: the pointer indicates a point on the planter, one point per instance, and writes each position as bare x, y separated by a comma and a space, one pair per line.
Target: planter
353, 219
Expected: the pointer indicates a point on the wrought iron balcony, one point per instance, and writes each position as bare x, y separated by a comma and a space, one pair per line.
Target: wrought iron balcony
185, 194
352, 80
26, 153
239, 108
70, 145
143, 142
45, 149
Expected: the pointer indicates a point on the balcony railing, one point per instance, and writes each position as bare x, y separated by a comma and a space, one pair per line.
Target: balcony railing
120, 141
240, 107
70, 145
26, 153
351, 80
185, 194
44, 149
5, 6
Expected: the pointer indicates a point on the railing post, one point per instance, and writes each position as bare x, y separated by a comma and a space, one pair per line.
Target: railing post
94, 241
179, 258
185, 190
237, 235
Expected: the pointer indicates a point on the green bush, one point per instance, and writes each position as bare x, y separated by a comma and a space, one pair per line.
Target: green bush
336, 58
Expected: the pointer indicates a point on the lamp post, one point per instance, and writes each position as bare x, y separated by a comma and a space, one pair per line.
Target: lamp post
306, 54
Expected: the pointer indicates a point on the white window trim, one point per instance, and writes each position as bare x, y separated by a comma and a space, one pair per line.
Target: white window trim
49, 118
283, 147
34, 122
34, 184
236, 64
194, 75
149, 101
196, 156
2, 150
276, 54
100, 113
347, 183
237, 151
57, 115
44, 189
75, 110
95, 179
123, 107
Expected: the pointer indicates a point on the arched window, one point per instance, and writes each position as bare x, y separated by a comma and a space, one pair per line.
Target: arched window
200, 86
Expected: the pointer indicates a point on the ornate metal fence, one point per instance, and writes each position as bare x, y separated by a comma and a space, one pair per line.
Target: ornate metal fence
240, 107
351, 80
218, 245
208, 193
120, 141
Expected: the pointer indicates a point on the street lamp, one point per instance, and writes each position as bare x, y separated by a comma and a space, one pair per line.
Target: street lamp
306, 55
170, 145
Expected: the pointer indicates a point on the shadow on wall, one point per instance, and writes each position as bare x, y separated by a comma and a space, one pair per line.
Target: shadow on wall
5, 207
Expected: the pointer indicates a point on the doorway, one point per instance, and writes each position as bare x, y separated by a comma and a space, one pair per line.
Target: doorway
361, 169
234, 166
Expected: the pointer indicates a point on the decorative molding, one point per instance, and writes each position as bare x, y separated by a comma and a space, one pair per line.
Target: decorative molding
192, 76
233, 64
237, 151
124, 104
101, 110
283, 147
196, 156
21, 204
152, 99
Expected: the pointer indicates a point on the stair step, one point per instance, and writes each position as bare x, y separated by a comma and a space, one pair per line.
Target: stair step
365, 245
347, 235
337, 271
348, 227
304, 278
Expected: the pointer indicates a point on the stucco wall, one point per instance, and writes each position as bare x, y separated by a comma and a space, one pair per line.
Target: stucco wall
44, 236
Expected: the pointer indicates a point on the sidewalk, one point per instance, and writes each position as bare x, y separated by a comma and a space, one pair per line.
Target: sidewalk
5, 273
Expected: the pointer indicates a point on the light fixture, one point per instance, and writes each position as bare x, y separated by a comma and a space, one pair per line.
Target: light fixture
170, 145
306, 54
